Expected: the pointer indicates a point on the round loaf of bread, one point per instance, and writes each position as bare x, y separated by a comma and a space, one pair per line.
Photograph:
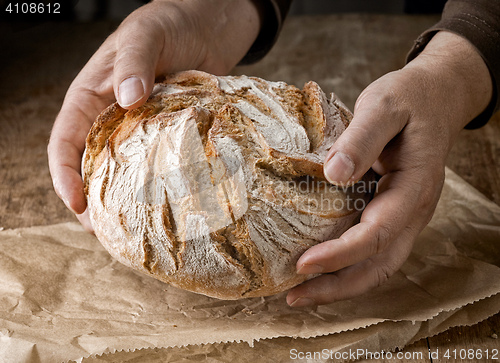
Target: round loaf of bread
216, 184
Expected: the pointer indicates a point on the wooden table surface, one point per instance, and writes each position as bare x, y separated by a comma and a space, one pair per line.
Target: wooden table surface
343, 53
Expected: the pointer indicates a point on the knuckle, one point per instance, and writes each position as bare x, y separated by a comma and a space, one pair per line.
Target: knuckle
430, 190
382, 274
364, 144
426, 198
334, 289
381, 238
322, 289
385, 100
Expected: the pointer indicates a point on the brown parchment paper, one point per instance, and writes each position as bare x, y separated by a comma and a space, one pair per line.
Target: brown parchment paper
375, 339
62, 297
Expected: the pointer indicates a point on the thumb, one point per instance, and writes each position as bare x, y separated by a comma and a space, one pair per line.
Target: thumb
137, 53
376, 121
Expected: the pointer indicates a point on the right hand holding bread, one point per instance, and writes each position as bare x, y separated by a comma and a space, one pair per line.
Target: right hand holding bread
404, 125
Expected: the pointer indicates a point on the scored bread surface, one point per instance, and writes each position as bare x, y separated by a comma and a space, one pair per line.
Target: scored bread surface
215, 185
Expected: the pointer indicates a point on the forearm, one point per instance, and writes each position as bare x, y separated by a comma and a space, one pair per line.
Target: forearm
458, 74
478, 21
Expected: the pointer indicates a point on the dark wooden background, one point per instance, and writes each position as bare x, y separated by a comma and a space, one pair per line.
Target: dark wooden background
343, 53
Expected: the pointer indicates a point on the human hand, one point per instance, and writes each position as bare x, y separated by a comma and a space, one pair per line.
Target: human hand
161, 37
403, 127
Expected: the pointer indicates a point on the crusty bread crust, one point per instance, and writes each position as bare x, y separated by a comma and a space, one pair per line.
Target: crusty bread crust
216, 184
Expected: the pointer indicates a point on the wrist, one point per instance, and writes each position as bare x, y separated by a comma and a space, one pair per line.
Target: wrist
458, 74
225, 28
236, 31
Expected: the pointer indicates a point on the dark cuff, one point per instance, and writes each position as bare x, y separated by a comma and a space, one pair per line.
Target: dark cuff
273, 13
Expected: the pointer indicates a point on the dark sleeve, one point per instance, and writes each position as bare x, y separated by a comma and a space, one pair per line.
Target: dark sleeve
273, 15
478, 21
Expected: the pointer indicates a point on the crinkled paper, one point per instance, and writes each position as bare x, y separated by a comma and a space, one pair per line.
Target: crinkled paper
62, 298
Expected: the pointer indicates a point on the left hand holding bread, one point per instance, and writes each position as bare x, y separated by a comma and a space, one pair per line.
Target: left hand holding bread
161, 37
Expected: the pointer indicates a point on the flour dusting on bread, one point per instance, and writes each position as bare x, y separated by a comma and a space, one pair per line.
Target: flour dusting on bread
215, 185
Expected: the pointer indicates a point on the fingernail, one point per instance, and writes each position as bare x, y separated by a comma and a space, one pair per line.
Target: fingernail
339, 169
68, 205
130, 91
310, 269
61, 195
302, 301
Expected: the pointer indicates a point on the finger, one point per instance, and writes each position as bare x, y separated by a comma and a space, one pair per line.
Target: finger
376, 121
85, 221
65, 150
396, 204
67, 143
138, 49
64, 163
356, 279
